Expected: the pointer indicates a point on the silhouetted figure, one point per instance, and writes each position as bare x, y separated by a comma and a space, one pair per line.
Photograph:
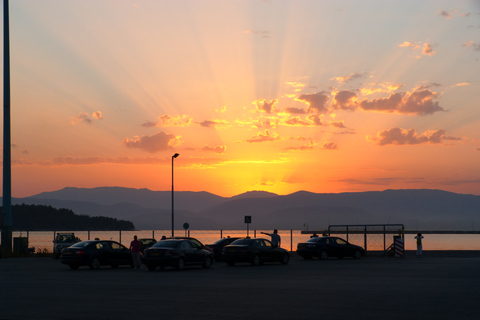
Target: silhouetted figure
419, 238
275, 238
314, 235
135, 247
163, 238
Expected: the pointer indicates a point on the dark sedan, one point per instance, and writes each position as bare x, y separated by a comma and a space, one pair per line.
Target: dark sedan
218, 246
176, 253
324, 247
255, 251
96, 253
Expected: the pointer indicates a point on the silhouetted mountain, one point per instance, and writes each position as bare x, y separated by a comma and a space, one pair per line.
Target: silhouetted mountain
432, 209
184, 200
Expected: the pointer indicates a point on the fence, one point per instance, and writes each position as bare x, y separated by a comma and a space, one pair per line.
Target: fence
43, 240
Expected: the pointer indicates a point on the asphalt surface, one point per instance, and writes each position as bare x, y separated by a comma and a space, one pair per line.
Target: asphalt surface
437, 286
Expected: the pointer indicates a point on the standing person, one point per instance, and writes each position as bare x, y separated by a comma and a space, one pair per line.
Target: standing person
135, 247
275, 238
419, 238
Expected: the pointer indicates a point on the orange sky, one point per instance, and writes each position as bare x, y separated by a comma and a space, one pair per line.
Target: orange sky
281, 96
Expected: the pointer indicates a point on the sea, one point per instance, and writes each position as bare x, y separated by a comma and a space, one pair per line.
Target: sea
42, 241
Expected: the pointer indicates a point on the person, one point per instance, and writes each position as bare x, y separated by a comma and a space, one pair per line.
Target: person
275, 238
135, 247
314, 235
419, 238
163, 238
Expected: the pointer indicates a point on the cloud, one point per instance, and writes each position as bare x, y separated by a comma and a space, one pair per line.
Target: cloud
264, 106
427, 49
307, 147
264, 136
217, 149
330, 146
297, 86
317, 102
471, 44
294, 111
169, 121
296, 121
213, 123
417, 102
158, 142
406, 44
337, 124
86, 118
348, 78
398, 136
345, 100
445, 14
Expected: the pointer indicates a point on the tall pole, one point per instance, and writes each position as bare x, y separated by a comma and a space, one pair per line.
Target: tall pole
173, 202
7, 170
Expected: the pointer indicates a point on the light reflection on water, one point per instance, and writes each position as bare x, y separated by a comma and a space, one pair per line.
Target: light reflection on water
290, 239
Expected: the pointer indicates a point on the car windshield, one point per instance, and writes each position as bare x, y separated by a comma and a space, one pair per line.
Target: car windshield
166, 244
242, 242
316, 240
82, 244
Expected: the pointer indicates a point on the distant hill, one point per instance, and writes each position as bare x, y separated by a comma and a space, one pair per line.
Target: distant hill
431, 209
40, 217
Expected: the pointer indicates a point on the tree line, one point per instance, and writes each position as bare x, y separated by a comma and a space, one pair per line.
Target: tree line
46, 218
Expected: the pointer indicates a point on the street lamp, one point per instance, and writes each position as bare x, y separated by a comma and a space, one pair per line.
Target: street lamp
173, 205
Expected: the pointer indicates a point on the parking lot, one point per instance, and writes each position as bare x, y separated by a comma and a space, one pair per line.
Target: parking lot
438, 286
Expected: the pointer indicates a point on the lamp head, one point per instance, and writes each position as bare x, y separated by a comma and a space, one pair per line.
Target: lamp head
175, 155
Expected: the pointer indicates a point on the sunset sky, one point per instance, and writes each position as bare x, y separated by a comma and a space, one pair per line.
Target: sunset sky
274, 95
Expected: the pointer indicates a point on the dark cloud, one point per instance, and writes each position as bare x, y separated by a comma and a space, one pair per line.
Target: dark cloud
158, 142
317, 102
398, 136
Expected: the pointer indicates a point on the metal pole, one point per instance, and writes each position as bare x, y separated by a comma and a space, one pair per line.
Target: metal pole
173, 201
6, 222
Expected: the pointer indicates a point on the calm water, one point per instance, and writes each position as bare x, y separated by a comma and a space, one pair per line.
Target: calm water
290, 239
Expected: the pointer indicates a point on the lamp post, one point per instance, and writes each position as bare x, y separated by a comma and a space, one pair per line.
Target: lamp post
6, 216
173, 202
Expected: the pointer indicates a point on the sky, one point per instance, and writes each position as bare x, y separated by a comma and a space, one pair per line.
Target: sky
273, 95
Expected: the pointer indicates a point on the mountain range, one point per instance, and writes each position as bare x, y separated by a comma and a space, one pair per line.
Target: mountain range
415, 208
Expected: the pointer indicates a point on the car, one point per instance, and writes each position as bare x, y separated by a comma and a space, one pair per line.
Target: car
62, 241
256, 251
324, 247
146, 243
96, 253
218, 246
176, 253
198, 242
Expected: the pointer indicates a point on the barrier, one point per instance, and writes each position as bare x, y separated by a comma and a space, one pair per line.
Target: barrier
399, 248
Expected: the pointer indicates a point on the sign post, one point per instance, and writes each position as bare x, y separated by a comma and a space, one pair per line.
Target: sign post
248, 220
186, 226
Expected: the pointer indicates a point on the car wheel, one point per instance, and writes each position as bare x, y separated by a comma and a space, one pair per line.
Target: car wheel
323, 255
73, 266
94, 264
357, 254
207, 263
151, 268
231, 263
285, 259
180, 264
256, 260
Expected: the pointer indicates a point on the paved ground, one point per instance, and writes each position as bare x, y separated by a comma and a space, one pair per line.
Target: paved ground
438, 286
